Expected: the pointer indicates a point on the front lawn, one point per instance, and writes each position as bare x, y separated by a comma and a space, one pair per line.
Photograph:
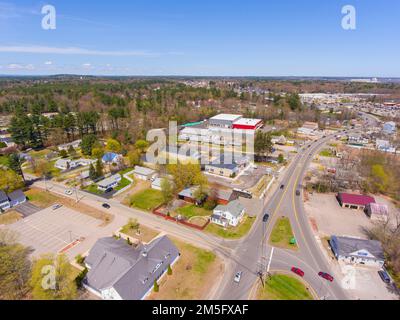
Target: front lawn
282, 234
10, 217
192, 276
41, 198
284, 287
232, 233
123, 183
147, 200
192, 210
93, 188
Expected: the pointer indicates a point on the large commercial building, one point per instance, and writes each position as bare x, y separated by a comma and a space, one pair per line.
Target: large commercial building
248, 124
224, 120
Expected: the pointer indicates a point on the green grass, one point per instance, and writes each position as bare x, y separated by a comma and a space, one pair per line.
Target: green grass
125, 171
124, 183
326, 153
94, 189
232, 233
191, 211
4, 161
147, 200
283, 287
282, 234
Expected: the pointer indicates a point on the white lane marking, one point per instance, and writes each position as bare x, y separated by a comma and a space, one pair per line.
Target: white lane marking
270, 259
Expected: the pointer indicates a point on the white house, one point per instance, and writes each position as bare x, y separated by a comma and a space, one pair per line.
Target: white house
66, 146
143, 173
65, 164
110, 182
228, 215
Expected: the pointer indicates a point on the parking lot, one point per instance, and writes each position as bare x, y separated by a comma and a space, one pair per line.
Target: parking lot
51, 231
27, 209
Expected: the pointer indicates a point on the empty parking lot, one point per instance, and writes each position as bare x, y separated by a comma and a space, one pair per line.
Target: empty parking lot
50, 231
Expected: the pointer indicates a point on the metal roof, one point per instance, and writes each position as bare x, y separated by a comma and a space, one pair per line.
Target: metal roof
356, 199
226, 117
346, 246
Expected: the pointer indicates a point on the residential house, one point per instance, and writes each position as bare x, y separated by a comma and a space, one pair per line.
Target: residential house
377, 212
4, 201
110, 182
357, 139
111, 158
118, 271
228, 215
16, 198
228, 168
189, 195
389, 128
143, 173
223, 197
354, 201
75, 144
385, 146
66, 164
308, 128
157, 184
358, 251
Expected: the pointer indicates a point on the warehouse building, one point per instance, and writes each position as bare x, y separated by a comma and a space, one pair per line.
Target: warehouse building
224, 120
248, 124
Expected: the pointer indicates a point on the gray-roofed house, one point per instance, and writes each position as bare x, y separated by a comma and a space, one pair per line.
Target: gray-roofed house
118, 271
143, 173
17, 197
4, 201
358, 251
110, 182
228, 215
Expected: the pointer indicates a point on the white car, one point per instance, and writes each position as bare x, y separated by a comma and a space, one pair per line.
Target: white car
68, 192
238, 277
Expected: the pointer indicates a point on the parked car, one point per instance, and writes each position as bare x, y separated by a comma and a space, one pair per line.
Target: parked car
326, 276
384, 276
68, 192
106, 205
298, 271
298, 193
109, 190
238, 277
57, 206
266, 218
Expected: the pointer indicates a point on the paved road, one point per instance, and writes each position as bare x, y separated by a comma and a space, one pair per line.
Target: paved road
310, 258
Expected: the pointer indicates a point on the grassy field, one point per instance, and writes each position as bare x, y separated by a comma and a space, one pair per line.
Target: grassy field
192, 277
232, 233
4, 161
282, 234
94, 189
191, 211
124, 183
9, 217
326, 153
41, 198
147, 200
283, 287
146, 234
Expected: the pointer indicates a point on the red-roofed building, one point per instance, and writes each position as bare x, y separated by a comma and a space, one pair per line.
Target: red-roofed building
354, 201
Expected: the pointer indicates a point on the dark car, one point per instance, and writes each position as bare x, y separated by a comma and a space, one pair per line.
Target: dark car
298, 193
109, 190
282, 186
266, 218
106, 205
298, 271
326, 276
384, 276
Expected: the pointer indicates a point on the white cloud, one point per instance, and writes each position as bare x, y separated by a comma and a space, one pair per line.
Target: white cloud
87, 65
48, 63
72, 51
16, 66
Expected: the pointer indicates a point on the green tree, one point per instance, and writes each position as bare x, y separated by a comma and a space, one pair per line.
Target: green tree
167, 190
60, 287
72, 152
379, 178
113, 146
10, 181
63, 154
263, 143
141, 145
134, 158
99, 168
87, 144
169, 272
15, 163
15, 267
92, 173
156, 287
98, 153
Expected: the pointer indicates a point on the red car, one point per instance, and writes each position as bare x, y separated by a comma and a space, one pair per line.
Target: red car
298, 271
326, 276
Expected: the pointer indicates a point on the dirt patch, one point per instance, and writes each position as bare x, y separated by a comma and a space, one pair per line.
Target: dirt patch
193, 275
10, 217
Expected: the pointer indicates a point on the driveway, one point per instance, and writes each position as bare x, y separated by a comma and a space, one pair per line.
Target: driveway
27, 209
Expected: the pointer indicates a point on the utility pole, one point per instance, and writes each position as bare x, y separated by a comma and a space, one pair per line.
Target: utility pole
263, 263
76, 195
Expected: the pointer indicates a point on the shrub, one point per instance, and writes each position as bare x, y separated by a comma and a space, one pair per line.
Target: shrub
156, 286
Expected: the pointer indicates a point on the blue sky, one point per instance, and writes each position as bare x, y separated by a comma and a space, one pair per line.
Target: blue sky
237, 38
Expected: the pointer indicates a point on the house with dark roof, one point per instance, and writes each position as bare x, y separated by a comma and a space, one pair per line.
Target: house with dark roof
189, 195
223, 197
16, 198
118, 271
354, 201
358, 251
228, 215
377, 212
4, 201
